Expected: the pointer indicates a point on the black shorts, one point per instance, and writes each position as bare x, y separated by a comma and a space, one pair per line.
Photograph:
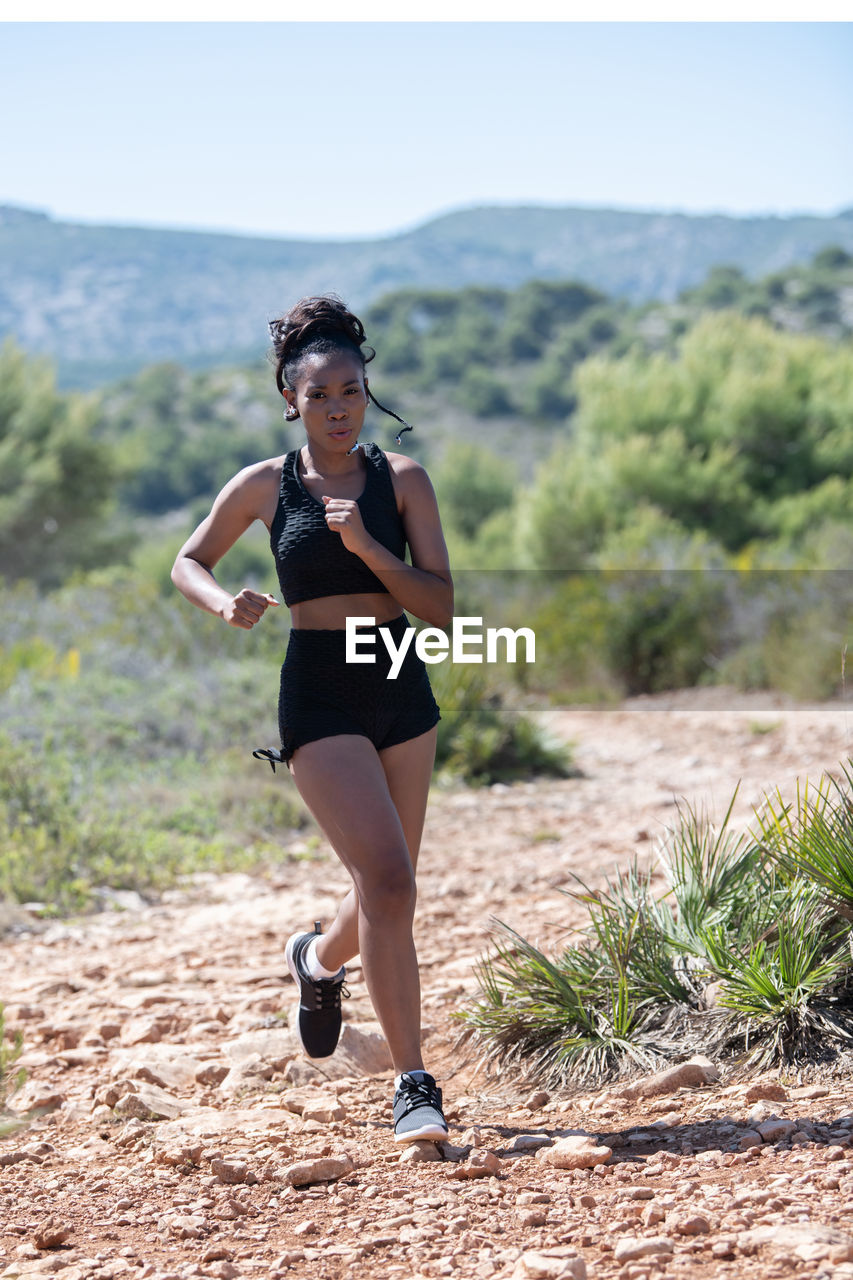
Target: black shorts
322, 695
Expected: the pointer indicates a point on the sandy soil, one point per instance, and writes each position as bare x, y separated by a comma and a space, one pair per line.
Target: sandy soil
180, 1008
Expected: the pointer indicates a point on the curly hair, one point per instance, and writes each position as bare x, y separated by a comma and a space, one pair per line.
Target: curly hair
320, 325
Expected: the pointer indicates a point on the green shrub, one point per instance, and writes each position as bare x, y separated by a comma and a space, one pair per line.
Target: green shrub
747, 956
481, 738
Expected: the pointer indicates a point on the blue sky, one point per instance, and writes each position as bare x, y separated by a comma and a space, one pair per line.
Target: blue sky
340, 129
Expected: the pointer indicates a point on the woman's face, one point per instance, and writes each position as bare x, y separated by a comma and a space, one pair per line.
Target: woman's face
331, 396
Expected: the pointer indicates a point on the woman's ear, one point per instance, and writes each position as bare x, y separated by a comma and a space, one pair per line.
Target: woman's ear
291, 413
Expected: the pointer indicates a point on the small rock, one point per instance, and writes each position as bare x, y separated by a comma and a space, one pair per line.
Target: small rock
692, 1225
223, 1271
749, 1138
363, 1051
807, 1243
249, 1073
51, 1233
451, 1152
774, 1129
533, 1218
537, 1100
307, 1228
230, 1171
211, 1073
36, 1097
216, 1253
530, 1141
143, 1030
325, 1112
420, 1153
579, 1151
766, 1091
641, 1247
551, 1264
324, 1169
149, 1102
289, 1259
471, 1138
694, 1073
809, 1092
480, 1164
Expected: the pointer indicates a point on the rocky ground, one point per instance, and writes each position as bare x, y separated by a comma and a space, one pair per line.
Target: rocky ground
178, 1133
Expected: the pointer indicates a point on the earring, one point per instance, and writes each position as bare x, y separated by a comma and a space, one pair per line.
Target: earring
290, 415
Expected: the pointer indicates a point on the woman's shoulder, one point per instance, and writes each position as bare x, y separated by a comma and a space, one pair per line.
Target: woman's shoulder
403, 466
257, 482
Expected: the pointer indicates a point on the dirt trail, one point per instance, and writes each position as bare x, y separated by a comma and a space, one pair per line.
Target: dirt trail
177, 1008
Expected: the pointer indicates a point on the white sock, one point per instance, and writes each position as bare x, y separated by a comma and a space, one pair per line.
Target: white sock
312, 964
420, 1075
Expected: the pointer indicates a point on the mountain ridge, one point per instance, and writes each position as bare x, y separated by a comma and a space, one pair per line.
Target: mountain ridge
112, 298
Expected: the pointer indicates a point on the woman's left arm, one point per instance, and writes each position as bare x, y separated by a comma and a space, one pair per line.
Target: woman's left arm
425, 587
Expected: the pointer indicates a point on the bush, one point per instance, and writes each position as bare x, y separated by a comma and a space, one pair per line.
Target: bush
747, 956
481, 738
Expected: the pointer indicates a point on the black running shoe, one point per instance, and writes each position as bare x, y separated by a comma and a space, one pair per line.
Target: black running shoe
318, 1025
417, 1111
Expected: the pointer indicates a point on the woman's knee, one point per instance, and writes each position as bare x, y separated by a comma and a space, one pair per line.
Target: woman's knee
388, 889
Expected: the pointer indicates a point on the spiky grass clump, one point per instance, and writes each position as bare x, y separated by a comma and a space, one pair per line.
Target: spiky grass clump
747, 954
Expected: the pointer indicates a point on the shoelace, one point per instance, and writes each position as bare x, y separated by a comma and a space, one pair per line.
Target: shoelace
272, 757
327, 993
417, 1093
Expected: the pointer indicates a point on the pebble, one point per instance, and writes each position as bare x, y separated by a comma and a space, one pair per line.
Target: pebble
766, 1091
641, 1247
693, 1074
530, 1141
325, 1169
774, 1129
692, 1225
420, 1153
480, 1164
549, 1265
230, 1171
537, 1100
51, 1233
576, 1152
149, 1102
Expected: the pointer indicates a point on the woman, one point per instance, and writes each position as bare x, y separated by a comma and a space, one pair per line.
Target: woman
360, 746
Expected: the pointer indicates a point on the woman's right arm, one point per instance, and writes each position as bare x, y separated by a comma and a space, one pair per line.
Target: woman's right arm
245, 498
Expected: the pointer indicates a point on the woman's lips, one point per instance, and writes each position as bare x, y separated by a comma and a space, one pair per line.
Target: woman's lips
341, 433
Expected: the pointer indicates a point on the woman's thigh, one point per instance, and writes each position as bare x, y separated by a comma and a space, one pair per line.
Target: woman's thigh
344, 784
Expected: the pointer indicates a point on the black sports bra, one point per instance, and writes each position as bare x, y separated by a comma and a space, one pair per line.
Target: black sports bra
311, 558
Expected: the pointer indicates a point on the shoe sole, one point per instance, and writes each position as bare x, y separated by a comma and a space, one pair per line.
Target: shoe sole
427, 1133
294, 973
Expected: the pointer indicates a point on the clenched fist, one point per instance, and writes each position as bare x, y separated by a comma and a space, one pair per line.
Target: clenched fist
247, 608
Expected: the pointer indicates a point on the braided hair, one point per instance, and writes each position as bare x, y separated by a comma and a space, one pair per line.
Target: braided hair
320, 325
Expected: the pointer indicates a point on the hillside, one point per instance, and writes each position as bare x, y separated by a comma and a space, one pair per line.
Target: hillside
107, 300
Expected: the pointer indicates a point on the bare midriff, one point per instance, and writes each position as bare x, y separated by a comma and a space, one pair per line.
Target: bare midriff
330, 613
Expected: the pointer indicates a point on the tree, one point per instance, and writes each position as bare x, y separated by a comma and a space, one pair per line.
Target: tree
56, 480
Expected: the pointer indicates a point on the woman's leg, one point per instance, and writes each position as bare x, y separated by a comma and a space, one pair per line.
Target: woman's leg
408, 770
348, 788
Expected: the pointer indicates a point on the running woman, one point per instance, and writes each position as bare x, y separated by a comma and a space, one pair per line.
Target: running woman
360, 746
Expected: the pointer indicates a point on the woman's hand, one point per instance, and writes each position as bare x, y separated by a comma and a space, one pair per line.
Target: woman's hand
344, 517
246, 608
